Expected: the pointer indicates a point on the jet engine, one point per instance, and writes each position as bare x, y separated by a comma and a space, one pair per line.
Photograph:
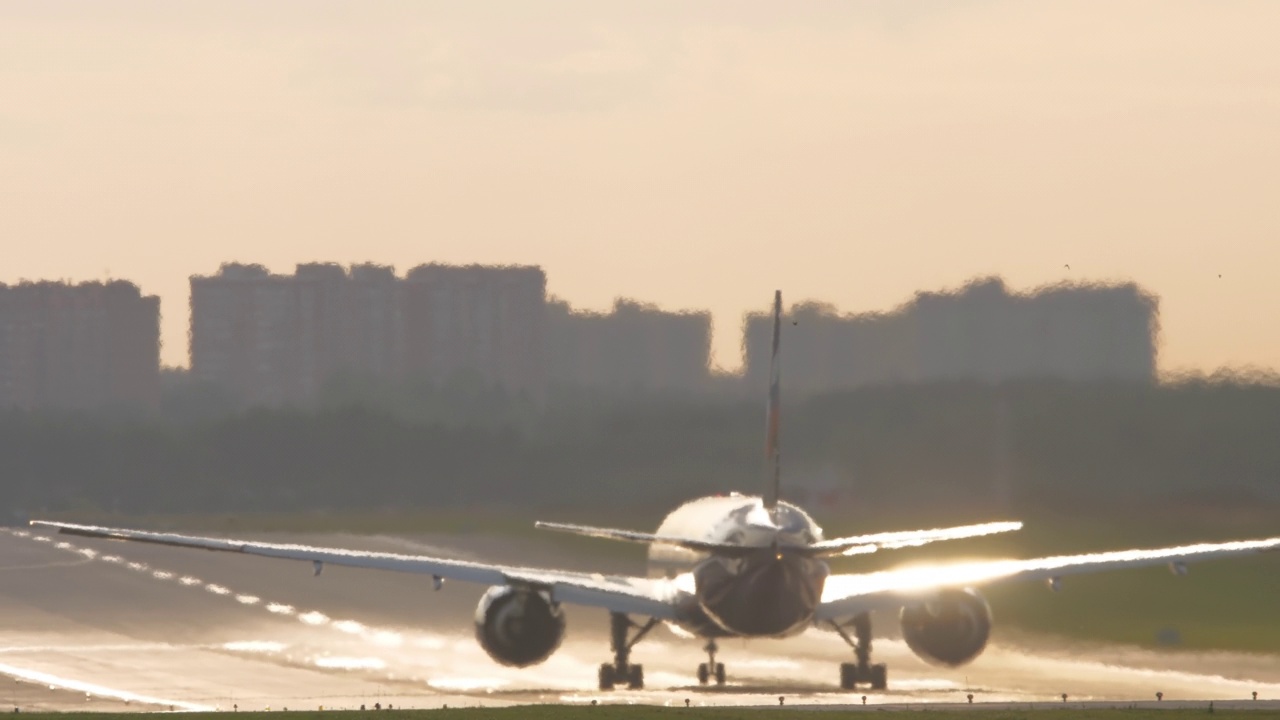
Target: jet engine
951, 629
518, 626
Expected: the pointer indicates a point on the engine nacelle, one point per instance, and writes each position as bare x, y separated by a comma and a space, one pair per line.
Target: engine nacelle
950, 630
518, 626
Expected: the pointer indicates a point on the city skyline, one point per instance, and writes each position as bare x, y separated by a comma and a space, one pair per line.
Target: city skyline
693, 157
736, 340
264, 339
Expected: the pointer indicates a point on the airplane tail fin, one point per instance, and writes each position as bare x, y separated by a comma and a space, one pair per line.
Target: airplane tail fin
772, 456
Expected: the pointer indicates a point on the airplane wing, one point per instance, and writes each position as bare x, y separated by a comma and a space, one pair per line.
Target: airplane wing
861, 544
849, 594
656, 598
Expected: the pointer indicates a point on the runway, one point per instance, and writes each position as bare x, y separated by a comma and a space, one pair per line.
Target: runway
90, 624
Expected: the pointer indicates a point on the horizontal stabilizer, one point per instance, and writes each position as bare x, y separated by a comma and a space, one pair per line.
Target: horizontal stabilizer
856, 545
862, 544
647, 538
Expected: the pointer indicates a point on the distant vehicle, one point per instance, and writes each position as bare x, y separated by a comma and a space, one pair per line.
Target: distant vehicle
732, 566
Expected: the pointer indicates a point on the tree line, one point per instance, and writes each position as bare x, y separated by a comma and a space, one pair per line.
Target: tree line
914, 449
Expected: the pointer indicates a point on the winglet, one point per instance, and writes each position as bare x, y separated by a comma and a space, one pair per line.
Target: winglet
772, 455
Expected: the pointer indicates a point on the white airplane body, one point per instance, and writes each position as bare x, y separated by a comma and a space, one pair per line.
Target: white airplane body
732, 566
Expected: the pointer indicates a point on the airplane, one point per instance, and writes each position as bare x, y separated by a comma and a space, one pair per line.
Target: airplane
732, 566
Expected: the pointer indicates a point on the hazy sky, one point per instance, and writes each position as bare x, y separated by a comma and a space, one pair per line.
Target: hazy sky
695, 154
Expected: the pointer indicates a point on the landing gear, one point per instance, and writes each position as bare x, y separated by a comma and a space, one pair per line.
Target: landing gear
711, 669
862, 671
621, 671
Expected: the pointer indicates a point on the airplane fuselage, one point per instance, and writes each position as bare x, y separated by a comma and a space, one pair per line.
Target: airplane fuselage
767, 590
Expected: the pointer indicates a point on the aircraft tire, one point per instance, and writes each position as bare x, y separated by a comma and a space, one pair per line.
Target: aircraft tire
879, 677
848, 676
635, 677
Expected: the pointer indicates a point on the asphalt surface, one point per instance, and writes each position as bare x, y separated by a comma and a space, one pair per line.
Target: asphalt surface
91, 624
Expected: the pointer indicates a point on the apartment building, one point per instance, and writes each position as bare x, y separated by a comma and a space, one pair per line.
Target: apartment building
80, 346
477, 323
633, 348
278, 339
981, 332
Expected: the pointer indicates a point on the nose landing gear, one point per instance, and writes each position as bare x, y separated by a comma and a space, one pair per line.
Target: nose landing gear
711, 669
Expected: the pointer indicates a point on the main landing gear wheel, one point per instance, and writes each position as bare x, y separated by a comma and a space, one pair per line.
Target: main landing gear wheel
861, 672
711, 669
874, 675
621, 671
633, 679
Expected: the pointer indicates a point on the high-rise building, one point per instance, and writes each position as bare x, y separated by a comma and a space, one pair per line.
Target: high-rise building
372, 326
246, 334
87, 346
273, 339
476, 323
983, 332
633, 348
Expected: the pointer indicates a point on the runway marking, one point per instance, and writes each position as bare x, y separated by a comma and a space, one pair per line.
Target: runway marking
1165, 675
78, 685
41, 566
314, 618
767, 664
430, 643
349, 626
348, 663
926, 684
386, 638
148, 647
464, 684
266, 646
380, 637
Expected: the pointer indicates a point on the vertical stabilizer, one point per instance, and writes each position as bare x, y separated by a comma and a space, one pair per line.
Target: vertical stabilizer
772, 456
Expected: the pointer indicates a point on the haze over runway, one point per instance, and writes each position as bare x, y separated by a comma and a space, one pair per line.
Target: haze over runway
161, 626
